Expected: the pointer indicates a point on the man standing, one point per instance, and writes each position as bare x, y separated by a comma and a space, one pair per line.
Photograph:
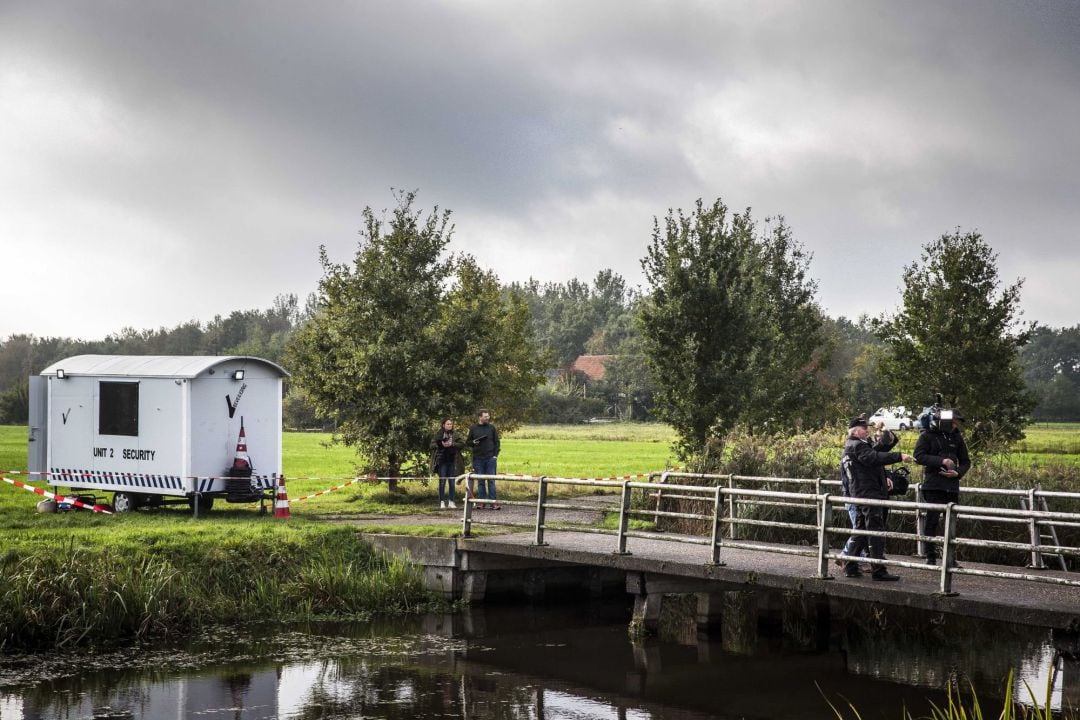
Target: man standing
483, 438
865, 468
942, 452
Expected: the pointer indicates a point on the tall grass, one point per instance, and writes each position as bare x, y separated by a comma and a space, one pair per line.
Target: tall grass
79, 591
956, 708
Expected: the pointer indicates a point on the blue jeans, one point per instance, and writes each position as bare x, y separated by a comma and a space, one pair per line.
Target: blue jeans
486, 488
853, 511
446, 476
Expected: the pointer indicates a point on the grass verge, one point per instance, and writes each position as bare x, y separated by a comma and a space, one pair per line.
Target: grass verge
88, 586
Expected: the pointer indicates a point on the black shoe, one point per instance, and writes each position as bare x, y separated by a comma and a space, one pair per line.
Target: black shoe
931, 560
883, 575
852, 570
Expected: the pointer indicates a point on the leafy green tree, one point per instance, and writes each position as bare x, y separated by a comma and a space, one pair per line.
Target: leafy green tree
1051, 364
15, 404
731, 331
862, 388
409, 335
958, 334
628, 385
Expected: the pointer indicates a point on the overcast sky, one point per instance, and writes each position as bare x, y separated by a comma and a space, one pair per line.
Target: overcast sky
161, 162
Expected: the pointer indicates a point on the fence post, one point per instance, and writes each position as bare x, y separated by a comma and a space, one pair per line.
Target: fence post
732, 508
624, 518
659, 494
920, 522
466, 522
541, 510
1033, 529
817, 491
948, 550
824, 518
717, 534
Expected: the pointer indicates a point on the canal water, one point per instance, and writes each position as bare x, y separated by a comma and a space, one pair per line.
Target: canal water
565, 661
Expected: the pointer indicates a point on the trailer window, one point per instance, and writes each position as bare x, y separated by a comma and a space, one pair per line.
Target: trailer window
118, 408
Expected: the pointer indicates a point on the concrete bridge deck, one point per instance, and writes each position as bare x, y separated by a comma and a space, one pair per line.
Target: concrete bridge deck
662, 562
655, 567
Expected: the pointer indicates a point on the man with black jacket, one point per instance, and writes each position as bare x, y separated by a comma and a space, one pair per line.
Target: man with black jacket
483, 438
865, 467
942, 452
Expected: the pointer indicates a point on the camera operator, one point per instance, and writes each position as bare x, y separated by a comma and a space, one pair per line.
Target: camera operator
942, 452
865, 468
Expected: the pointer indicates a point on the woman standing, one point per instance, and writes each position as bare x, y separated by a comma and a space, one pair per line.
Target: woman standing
446, 446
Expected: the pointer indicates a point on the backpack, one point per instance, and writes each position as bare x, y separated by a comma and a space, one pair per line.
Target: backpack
901, 480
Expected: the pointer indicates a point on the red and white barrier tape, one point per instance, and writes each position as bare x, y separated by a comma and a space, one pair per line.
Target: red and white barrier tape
59, 498
330, 490
373, 479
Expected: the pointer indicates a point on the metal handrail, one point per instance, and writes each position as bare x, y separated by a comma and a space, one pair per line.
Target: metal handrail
726, 496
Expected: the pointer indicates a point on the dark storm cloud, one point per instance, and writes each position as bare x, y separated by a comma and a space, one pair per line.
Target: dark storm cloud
213, 146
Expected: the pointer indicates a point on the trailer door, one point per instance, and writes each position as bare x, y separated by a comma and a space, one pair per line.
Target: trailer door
39, 425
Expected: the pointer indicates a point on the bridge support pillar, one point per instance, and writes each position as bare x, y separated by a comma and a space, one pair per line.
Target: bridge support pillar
739, 633
473, 585
710, 611
647, 612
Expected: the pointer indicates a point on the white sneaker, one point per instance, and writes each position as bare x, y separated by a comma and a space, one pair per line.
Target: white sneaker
452, 505
442, 505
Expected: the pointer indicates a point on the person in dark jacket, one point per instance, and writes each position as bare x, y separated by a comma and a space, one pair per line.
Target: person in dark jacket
942, 452
446, 448
483, 439
865, 469
883, 441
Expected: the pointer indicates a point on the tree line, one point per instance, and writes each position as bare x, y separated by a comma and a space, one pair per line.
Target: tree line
727, 332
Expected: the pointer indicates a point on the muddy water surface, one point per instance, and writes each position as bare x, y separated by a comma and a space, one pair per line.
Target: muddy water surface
561, 662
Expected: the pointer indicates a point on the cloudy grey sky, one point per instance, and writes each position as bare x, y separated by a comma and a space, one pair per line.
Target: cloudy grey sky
167, 161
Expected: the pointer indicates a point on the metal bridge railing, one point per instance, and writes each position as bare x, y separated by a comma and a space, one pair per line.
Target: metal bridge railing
720, 504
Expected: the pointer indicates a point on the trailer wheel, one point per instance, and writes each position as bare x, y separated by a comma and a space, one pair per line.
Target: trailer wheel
205, 503
124, 502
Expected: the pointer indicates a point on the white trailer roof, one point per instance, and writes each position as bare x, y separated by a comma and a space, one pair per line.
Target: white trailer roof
167, 366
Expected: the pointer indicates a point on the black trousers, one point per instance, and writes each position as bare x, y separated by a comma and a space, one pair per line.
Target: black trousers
868, 518
933, 517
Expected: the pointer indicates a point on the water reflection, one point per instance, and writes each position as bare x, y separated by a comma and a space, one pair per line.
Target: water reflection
569, 662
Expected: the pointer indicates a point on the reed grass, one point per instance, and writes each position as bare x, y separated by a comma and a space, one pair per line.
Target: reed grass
93, 587
956, 708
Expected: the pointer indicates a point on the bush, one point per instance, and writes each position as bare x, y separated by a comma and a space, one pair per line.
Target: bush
559, 408
91, 589
816, 454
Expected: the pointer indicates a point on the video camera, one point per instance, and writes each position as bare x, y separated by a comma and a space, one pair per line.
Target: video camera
939, 417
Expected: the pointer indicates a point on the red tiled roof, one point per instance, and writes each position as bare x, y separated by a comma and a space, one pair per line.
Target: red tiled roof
591, 366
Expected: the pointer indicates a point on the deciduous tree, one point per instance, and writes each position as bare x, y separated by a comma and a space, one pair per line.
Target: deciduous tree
958, 333
409, 334
730, 328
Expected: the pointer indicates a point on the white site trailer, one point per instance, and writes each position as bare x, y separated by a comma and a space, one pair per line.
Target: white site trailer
154, 429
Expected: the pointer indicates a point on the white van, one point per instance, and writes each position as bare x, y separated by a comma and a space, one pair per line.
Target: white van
894, 418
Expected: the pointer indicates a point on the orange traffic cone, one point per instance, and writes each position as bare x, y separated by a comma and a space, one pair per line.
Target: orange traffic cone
241, 466
281, 503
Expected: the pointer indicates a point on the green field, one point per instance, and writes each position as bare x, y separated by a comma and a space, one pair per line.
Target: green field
312, 463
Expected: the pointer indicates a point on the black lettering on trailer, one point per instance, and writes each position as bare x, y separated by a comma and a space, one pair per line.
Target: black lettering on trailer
133, 454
